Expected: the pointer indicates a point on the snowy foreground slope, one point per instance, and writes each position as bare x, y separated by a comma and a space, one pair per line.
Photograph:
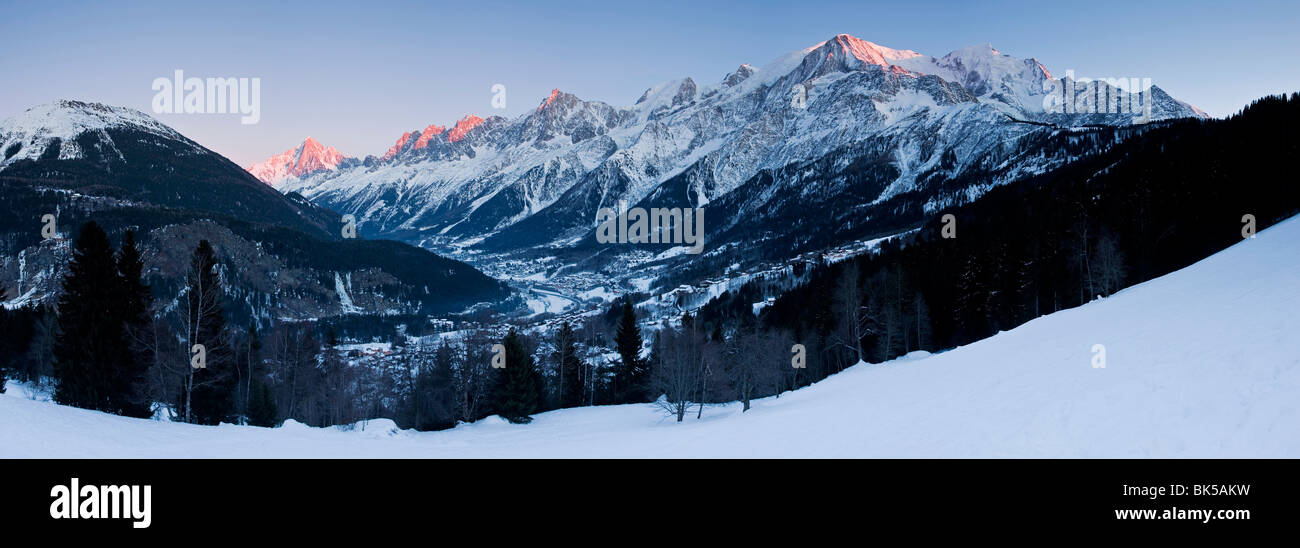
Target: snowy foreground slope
1204, 362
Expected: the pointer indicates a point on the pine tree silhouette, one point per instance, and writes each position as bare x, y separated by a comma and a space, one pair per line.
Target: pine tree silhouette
126, 393
519, 385
90, 347
631, 375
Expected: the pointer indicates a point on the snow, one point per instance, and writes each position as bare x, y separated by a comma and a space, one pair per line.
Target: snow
366, 347
641, 284
345, 301
1002, 80
721, 134
869, 52
1200, 363
304, 159
540, 300
38, 127
21, 301
601, 293
903, 104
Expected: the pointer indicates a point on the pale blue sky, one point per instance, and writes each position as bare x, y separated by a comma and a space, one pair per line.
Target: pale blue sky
356, 75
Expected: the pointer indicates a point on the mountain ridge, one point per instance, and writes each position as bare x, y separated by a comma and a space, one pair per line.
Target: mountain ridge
537, 180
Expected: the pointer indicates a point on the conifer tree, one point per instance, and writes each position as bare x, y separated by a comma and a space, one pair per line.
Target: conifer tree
569, 367
38, 363
261, 406
90, 341
127, 393
519, 385
630, 377
435, 396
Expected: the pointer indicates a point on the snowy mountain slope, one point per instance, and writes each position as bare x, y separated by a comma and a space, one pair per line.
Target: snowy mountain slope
1199, 363
125, 170
1015, 85
54, 129
106, 151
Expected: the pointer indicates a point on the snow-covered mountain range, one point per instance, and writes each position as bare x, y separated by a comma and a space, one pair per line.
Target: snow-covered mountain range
844, 118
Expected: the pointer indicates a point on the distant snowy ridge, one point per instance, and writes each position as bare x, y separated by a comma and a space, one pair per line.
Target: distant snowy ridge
539, 179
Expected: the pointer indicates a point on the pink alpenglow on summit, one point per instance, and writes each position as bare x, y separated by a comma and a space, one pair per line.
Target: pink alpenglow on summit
462, 127
869, 52
305, 159
401, 143
554, 93
426, 136
428, 133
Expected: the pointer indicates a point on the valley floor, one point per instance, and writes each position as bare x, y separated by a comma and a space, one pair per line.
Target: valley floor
1204, 362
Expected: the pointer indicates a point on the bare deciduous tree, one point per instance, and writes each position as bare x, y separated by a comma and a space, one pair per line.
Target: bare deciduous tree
754, 361
679, 371
472, 376
852, 307
1107, 264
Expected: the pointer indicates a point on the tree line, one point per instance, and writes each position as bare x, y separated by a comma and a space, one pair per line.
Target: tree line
1153, 203
111, 346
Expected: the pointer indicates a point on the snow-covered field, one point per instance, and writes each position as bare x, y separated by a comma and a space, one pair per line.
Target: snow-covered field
1204, 362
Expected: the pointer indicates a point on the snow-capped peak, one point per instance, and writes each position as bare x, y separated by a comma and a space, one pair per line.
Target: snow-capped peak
549, 99
307, 158
413, 140
739, 75
869, 52
29, 134
845, 53
984, 49
463, 126
67, 119
429, 133
1013, 84
397, 147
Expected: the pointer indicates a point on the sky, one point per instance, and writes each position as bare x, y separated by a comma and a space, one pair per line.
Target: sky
356, 75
